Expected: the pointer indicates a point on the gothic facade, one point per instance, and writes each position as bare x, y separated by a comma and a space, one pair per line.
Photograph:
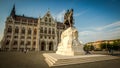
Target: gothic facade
37, 34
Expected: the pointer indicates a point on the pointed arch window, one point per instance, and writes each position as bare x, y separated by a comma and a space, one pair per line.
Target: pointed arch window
45, 30
16, 30
7, 42
34, 43
29, 31
49, 30
45, 19
9, 29
28, 43
35, 31
41, 30
15, 42
23, 30
49, 19
22, 43
53, 31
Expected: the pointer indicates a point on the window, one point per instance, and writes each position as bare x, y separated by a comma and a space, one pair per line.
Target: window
41, 30
17, 22
28, 37
15, 36
24, 20
17, 30
49, 19
53, 37
49, 30
22, 37
45, 30
54, 25
35, 31
30, 21
41, 37
35, 21
23, 30
34, 43
29, 31
7, 42
8, 36
45, 19
28, 43
53, 31
15, 42
49, 37
45, 37
22, 43
17, 19
10, 21
34, 38
9, 29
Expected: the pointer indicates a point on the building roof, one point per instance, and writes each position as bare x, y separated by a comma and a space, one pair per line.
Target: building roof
25, 19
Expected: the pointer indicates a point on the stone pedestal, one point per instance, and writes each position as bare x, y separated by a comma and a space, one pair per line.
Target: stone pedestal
70, 44
69, 51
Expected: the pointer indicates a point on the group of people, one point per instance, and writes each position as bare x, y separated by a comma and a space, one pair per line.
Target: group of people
24, 50
110, 51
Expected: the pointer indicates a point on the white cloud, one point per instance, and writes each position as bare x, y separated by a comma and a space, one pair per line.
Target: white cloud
115, 24
110, 31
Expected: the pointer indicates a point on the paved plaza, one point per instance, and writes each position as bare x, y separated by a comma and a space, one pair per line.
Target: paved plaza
36, 60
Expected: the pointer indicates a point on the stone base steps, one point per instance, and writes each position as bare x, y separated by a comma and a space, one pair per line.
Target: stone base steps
53, 59
79, 53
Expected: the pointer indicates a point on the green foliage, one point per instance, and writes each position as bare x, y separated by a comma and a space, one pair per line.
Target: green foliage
88, 47
103, 46
114, 46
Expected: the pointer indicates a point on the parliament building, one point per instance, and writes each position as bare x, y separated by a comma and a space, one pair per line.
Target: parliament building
34, 34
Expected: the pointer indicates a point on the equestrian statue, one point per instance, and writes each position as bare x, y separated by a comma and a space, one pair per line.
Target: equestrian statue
68, 18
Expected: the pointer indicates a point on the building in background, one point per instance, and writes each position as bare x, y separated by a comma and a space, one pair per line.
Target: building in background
0, 44
97, 44
37, 34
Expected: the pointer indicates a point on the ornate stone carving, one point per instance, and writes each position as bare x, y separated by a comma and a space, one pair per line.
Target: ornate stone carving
70, 44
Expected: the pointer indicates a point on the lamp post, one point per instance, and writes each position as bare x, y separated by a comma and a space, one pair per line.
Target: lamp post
106, 46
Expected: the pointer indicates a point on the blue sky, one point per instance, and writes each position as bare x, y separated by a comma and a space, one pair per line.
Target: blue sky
94, 19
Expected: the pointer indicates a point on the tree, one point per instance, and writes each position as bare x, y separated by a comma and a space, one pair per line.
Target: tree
91, 47
103, 45
88, 47
116, 45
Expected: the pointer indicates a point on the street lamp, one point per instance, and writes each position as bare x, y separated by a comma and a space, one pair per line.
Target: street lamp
106, 46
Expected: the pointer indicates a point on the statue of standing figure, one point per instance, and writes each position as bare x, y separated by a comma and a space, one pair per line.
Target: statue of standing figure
68, 18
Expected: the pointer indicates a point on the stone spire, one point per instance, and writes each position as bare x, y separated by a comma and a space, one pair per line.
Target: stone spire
48, 9
13, 11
